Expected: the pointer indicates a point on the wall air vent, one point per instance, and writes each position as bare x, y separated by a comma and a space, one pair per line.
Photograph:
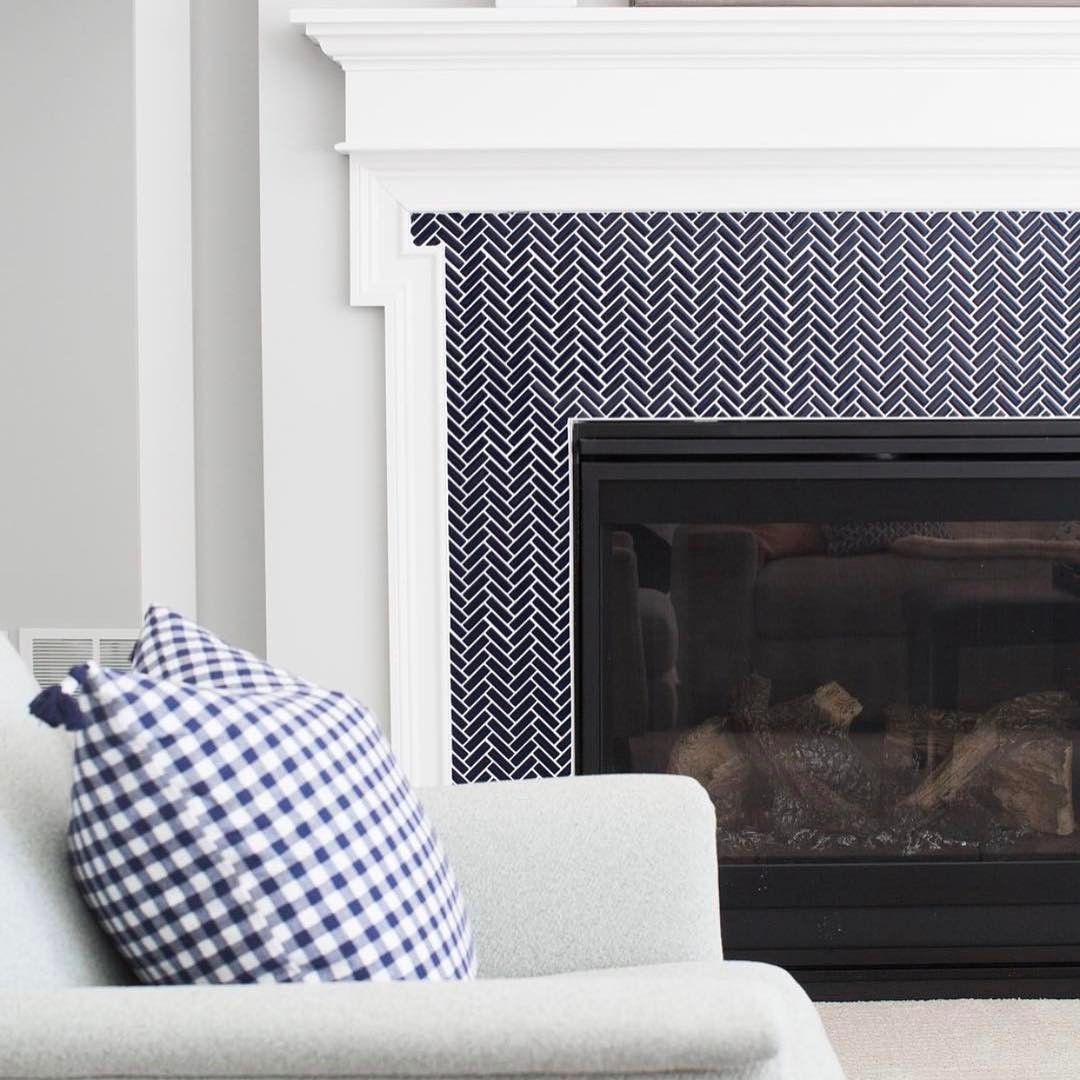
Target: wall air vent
50, 653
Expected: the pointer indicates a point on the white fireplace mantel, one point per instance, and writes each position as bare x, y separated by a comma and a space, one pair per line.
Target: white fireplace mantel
633, 108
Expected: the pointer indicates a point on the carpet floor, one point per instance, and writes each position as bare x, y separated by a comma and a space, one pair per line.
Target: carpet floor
956, 1040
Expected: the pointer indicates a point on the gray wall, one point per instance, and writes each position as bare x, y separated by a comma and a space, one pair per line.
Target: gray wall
69, 523
225, 271
320, 357
69, 528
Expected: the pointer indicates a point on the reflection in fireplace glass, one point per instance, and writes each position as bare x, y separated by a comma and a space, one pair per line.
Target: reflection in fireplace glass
869, 689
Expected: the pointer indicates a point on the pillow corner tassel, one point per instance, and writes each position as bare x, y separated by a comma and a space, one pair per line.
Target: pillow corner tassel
57, 706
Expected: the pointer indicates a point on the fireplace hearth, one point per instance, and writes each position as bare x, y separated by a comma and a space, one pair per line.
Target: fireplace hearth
862, 638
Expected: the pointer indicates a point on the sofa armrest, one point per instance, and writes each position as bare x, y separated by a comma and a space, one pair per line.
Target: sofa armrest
684, 1020
583, 872
714, 572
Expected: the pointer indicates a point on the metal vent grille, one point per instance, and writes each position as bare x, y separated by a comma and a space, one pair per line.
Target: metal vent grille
50, 658
51, 653
116, 652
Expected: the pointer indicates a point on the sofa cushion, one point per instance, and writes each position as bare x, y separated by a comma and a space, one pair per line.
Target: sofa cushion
786, 539
233, 824
48, 939
825, 596
659, 632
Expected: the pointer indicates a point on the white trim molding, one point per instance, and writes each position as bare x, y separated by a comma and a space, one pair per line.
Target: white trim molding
547, 109
166, 390
388, 271
819, 179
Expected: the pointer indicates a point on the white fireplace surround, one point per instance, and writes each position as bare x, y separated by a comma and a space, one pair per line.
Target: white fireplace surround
644, 109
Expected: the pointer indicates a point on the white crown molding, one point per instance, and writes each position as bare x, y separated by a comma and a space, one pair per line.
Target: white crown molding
633, 38
690, 79
450, 139
535, 3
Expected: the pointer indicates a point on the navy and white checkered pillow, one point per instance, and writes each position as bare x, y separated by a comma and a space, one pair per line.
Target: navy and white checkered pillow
865, 537
231, 823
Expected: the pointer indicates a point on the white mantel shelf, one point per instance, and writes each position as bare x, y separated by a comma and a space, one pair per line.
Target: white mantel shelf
644, 109
679, 78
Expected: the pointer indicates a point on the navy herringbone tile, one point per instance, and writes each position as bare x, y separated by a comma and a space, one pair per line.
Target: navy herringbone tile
556, 316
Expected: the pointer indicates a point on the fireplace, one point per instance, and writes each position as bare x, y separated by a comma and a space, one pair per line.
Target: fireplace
863, 639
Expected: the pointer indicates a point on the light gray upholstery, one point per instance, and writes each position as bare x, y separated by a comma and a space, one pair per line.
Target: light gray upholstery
713, 576
802, 620
47, 937
703, 1020
642, 635
588, 872
602, 890
660, 638
626, 685
813, 595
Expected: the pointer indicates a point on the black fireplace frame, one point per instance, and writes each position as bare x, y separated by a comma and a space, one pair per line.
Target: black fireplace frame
1005, 928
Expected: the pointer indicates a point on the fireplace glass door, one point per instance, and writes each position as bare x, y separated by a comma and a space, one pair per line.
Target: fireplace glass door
859, 655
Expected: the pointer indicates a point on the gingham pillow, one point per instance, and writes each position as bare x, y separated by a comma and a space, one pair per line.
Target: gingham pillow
231, 823
865, 537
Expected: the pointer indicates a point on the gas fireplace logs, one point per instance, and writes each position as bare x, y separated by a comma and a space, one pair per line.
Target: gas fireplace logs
918, 738
830, 708
791, 768
818, 781
1016, 759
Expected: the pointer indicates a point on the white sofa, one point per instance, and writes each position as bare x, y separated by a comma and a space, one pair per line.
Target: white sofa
594, 904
